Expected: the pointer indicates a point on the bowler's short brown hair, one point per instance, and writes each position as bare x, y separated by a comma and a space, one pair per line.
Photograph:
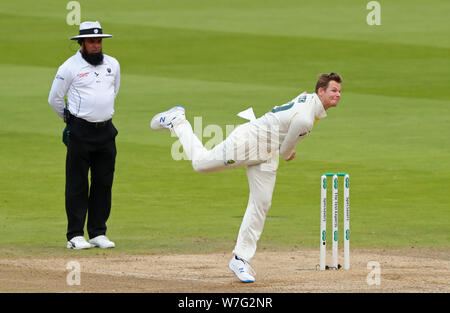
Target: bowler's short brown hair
324, 80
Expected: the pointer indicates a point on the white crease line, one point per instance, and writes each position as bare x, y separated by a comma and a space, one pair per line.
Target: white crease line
150, 276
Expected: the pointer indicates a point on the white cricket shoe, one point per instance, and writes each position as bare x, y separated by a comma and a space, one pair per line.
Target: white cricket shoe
102, 242
242, 269
165, 119
78, 243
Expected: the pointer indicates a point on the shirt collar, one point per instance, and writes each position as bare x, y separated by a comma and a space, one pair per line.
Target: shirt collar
81, 59
319, 110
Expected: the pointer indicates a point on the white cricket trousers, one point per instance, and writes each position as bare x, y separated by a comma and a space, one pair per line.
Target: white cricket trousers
261, 174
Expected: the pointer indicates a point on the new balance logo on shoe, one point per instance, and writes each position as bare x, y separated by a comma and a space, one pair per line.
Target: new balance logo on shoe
164, 120
242, 270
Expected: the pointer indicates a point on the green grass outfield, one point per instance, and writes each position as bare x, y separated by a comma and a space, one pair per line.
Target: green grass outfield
216, 58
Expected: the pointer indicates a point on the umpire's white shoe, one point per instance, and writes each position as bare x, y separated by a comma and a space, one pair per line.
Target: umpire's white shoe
102, 242
165, 119
78, 243
242, 269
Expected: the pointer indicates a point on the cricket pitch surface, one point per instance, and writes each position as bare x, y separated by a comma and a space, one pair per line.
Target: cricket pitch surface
400, 270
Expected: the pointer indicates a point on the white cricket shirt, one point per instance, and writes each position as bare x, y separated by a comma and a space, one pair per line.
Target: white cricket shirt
91, 90
294, 121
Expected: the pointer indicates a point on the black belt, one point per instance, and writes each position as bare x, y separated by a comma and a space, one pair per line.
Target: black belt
91, 124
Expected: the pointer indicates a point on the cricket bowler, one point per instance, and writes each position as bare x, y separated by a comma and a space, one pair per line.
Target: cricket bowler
256, 145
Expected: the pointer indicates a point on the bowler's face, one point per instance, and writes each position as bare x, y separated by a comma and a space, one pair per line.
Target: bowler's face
93, 45
332, 94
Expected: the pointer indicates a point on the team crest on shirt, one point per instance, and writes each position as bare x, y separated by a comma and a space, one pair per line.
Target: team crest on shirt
109, 72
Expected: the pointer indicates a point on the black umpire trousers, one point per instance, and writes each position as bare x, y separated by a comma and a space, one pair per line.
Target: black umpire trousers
90, 146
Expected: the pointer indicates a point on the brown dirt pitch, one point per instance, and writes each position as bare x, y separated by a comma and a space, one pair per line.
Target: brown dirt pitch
400, 270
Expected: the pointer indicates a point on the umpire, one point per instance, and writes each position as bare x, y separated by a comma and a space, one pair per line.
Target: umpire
90, 81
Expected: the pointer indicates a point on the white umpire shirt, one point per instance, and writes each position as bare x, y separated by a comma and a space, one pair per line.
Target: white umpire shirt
91, 90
